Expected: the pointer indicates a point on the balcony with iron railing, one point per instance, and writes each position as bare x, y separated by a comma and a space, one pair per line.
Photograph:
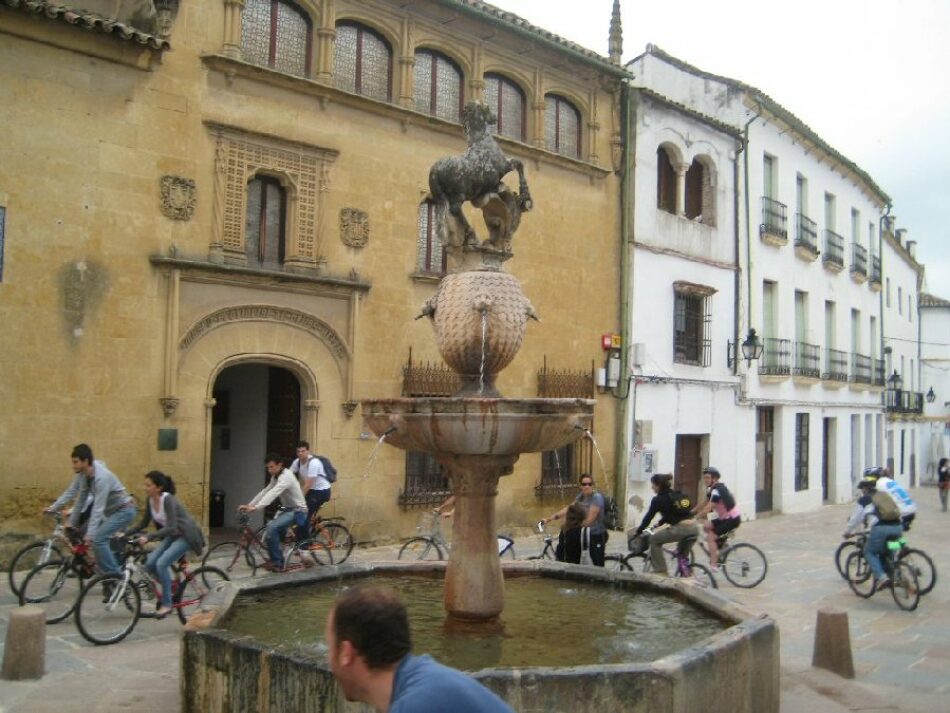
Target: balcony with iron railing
878, 376
860, 369
833, 257
774, 227
776, 359
836, 366
859, 262
875, 273
807, 363
806, 238
911, 402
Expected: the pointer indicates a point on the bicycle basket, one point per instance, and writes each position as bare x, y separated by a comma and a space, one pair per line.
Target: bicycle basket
638, 544
428, 523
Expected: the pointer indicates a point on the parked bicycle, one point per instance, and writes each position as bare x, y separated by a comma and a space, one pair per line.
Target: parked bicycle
110, 605
37, 553
55, 586
683, 565
919, 560
242, 557
432, 545
901, 577
742, 563
548, 550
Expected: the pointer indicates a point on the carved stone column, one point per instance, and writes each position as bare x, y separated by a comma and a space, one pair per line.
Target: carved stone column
326, 35
233, 12
216, 249
539, 106
311, 409
476, 84
681, 169
474, 587
407, 66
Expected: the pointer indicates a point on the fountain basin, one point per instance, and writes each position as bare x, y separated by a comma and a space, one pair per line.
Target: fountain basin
736, 669
477, 426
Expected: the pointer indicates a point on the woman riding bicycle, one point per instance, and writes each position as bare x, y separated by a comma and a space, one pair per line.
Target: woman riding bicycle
176, 529
674, 508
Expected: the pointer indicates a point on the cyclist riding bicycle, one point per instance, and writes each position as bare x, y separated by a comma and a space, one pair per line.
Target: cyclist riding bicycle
887, 484
728, 517
882, 514
676, 515
283, 485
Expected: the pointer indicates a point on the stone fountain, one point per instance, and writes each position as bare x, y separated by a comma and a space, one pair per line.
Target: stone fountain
479, 315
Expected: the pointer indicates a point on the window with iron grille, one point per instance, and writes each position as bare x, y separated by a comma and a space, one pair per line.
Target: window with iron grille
801, 451
362, 61
562, 126
691, 323
276, 33
432, 258
508, 103
265, 221
437, 86
562, 468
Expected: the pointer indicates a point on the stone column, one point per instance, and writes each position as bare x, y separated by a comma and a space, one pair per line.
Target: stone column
407, 66
681, 169
233, 10
474, 586
326, 34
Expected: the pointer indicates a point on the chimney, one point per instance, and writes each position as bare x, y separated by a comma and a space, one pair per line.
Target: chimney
899, 234
615, 40
912, 248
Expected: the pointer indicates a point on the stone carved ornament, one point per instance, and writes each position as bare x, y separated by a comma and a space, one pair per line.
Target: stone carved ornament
354, 227
179, 196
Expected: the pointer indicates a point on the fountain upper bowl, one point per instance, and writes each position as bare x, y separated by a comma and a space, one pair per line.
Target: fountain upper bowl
477, 426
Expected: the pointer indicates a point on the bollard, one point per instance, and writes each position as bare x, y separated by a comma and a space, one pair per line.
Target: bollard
833, 643
24, 652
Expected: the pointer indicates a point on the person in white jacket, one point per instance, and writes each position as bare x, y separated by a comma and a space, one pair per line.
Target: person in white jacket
283, 485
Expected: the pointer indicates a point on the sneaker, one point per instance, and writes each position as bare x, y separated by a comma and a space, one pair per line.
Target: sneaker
272, 567
882, 583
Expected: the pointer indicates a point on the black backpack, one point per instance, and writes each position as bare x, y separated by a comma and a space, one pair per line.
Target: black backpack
682, 503
611, 514
328, 469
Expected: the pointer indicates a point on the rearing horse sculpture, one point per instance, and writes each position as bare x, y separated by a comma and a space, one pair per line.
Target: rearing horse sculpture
473, 176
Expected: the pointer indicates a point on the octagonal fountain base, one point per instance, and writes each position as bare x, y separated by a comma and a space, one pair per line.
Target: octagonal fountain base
735, 669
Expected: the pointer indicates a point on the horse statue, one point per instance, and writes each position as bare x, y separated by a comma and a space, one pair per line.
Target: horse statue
475, 176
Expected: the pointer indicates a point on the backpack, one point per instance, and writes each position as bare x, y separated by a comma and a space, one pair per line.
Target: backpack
328, 469
682, 503
728, 500
887, 509
611, 514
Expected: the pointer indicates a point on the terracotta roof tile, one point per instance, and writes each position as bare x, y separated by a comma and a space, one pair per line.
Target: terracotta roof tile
929, 300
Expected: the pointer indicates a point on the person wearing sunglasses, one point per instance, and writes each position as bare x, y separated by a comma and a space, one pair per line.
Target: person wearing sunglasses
593, 501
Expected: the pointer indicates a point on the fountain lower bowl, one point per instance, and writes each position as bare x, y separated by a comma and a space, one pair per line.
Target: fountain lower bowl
477, 426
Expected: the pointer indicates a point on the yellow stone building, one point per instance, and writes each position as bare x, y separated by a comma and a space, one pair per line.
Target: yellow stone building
216, 237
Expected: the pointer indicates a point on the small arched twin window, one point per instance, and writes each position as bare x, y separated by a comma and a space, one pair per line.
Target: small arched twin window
699, 197
562, 126
277, 34
437, 86
508, 102
362, 61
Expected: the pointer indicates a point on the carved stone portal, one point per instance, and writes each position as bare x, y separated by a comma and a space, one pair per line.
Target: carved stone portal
179, 196
354, 227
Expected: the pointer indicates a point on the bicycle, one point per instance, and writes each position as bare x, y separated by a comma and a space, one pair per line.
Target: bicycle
110, 605
902, 579
55, 586
242, 557
684, 566
37, 553
742, 563
432, 544
326, 532
547, 552
919, 560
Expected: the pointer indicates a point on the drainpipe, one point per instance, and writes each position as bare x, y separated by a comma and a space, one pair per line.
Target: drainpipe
882, 456
748, 217
737, 287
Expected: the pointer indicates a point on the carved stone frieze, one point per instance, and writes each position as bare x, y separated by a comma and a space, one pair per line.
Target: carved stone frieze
179, 196
354, 227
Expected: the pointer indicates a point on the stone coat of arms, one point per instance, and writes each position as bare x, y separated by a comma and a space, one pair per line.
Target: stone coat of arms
179, 196
354, 227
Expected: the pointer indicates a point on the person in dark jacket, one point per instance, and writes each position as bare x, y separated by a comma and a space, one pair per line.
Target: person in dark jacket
176, 529
569, 541
676, 523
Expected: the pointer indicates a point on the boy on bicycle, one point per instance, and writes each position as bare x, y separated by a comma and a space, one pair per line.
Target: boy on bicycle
728, 517
283, 485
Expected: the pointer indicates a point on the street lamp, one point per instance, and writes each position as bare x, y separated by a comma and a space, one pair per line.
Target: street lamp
895, 381
931, 396
752, 348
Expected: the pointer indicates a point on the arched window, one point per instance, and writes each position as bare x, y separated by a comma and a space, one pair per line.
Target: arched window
276, 34
431, 256
507, 101
562, 126
437, 86
665, 182
695, 180
265, 220
362, 61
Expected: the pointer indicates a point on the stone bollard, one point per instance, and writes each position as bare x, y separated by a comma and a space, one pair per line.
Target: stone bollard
24, 653
833, 643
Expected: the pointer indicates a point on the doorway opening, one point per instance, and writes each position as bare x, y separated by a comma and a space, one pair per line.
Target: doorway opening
687, 478
764, 454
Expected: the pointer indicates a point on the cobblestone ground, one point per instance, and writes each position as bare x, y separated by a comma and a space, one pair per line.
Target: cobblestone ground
902, 659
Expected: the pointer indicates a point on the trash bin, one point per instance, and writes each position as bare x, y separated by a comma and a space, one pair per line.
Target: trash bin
216, 513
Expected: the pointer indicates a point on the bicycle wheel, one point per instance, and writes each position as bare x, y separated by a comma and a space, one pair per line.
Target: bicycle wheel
923, 567
859, 574
841, 556
744, 565
339, 540
54, 587
232, 558
314, 550
30, 557
904, 586
420, 548
699, 573
616, 563
108, 609
193, 588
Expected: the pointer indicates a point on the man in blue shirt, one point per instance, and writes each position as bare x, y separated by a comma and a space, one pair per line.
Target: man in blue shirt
370, 651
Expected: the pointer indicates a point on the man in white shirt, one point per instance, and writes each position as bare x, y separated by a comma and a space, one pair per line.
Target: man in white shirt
313, 480
283, 485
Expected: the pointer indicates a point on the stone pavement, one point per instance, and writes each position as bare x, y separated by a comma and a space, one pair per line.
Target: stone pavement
902, 659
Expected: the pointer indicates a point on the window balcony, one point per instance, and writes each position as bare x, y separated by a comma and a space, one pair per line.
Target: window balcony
860, 369
807, 362
910, 402
774, 227
836, 366
859, 263
806, 238
875, 282
833, 257
878, 377
776, 359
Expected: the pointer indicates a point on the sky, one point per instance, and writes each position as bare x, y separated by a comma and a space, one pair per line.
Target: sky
869, 76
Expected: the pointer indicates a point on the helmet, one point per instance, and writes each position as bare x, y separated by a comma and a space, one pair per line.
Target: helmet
711, 470
867, 483
874, 472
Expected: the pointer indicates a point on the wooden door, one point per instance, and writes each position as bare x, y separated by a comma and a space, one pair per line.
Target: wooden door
764, 440
283, 418
687, 476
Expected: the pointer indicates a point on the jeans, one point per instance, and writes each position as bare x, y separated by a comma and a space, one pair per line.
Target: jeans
275, 533
673, 533
876, 545
161, 559
315, 500
117, 521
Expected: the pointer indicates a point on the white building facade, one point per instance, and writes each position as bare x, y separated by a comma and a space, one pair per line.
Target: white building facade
934, 444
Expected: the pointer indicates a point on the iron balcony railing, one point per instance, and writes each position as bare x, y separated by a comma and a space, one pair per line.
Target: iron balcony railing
834, 249
806, 233
836, 365
878, 377
876, 269
860, 369
774, 218
903, 401
776, 357
859, 259
807, 360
